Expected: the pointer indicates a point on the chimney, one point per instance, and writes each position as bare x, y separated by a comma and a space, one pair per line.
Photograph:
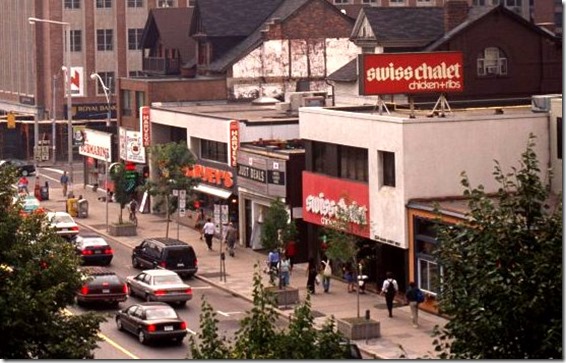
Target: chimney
455, 13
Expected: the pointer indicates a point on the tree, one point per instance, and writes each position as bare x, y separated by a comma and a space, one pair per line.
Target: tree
502, 271
341, 237
210, 345
122, 187
39, 277
170, 161
276, 227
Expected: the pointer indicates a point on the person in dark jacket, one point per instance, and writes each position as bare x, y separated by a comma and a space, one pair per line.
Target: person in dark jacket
411, 296
312, 271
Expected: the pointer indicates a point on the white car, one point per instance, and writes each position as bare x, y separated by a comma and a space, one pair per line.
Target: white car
159, 285
64, 224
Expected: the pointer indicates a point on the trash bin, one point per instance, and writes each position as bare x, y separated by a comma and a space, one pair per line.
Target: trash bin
44, 192
72, 206
83, 208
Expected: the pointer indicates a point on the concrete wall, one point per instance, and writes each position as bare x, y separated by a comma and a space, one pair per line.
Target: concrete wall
430, 154
555, 163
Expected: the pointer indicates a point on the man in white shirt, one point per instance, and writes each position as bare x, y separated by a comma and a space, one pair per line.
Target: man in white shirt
208, 231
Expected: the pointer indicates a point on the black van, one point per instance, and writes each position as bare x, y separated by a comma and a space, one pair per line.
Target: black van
172, 254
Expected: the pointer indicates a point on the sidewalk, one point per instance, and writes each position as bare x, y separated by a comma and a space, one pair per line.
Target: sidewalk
396, 332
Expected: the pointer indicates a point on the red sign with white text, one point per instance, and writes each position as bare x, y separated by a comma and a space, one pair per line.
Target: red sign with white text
392, 73
234, 142
145, 125
326, 198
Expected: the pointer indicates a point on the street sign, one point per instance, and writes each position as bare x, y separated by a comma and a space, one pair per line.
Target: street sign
182, 202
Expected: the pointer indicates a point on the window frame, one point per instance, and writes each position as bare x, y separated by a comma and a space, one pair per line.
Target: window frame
109, 81
137, 34
71, 4
103, 4
107, 35
353, 163
490, 64
214, 150
135, 3
165, 3
387, 174
76, 40
126, 102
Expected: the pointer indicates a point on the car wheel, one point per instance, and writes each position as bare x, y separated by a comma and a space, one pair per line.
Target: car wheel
181, 303
141, 337
119, 324
135, 262
132, 293
25, 172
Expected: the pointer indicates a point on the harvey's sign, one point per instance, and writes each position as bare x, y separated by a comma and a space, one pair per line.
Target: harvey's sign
326, 198
408, 73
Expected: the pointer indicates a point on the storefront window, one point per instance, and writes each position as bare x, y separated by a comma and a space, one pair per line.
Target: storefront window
428, 271
213, 150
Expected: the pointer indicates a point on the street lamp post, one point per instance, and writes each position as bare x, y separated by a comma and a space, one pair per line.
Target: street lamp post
67, 68
96, 76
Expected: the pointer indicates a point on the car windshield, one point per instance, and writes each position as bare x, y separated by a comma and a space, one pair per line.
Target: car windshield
170, 279
160, 313
95, 241
62, 218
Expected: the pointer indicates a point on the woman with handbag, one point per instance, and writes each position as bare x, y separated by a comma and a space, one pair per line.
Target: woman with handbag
326, 271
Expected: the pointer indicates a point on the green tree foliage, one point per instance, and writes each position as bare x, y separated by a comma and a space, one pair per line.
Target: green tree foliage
342, 242
502, 271
259, 337
276, 227
38, 279
210, 345
170, 163
121, 188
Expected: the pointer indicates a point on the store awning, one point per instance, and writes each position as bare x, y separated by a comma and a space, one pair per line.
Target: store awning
221, 193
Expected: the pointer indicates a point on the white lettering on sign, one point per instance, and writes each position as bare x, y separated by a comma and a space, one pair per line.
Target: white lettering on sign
234, 142
145, 125
422, 72
330, 209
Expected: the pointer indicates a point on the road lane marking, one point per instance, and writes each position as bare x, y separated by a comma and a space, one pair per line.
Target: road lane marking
108, 340
118, 346
228, 313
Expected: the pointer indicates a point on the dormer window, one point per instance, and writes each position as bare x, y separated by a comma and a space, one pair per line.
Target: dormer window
492, 62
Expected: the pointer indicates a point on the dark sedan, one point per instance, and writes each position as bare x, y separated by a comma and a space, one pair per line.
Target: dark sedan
152, 321
101, 285
24, 168
93, 249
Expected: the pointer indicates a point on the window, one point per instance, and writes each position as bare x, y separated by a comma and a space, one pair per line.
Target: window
353, 163
135, 74
428, 270
371, 2
140, 99
76, 41
104, 39
135, 3
396, 2
387, 167
425, 3
338, 2
164, 3
72, 4
319, 152
103, 4
213, 150
492, 62
126, 103
108, 80
134, 38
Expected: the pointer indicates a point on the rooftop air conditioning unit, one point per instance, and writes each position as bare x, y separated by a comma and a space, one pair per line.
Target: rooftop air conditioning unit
541, 103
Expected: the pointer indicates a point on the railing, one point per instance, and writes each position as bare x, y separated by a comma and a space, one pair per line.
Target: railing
157, 65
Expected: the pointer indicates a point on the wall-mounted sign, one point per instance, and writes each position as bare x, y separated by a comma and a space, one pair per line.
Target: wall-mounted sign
27, 100
77, 82
326, 198
211, 175
122, 143
135, 152
93, 111
261, 174
390, 73
234, 142
145, 125
96, 144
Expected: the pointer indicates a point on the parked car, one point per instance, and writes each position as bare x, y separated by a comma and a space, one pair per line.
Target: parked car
63, 223
159, 285
29, 203
93, 249
101, 285
152, 321
170, 254
24, 168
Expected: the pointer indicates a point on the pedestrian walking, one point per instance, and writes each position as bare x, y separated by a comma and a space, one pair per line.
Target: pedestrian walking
326, 273
64, 182
389, 289
23, 184
208, 231
312, 272
414, 296
349, 277
291, 252
231, 237
284, 271
362, 278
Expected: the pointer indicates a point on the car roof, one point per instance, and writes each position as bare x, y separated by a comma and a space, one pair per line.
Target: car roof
159, 272
168, 241
155, 304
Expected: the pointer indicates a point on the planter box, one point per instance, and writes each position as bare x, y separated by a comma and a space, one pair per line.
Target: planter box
359, 328
286, 296
125, 229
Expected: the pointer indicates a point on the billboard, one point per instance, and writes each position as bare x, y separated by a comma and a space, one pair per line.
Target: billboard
408, 73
